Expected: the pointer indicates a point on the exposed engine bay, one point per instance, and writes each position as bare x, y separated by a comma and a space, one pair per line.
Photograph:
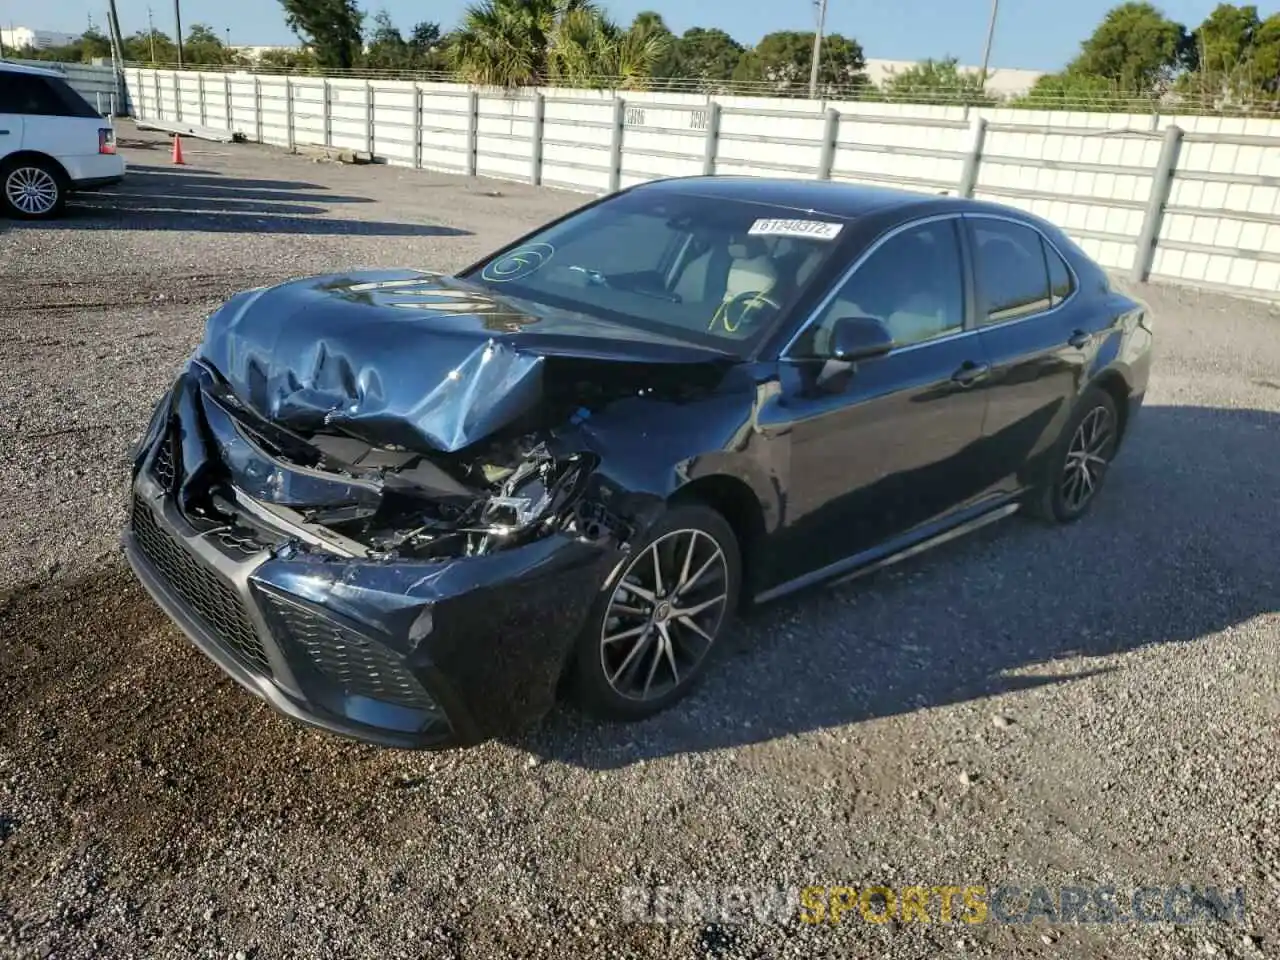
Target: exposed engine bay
344, 495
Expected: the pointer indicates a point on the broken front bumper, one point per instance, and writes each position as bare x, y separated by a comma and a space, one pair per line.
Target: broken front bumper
403, 654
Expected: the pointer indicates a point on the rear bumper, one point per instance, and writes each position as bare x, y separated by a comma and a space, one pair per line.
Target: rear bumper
96, 183
408, 655
88, 170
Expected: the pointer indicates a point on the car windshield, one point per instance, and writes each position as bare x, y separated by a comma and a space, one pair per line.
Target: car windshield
710, 270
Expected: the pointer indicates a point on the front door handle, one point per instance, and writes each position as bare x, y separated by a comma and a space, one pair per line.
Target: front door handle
4, 133
1079, 340
970, 373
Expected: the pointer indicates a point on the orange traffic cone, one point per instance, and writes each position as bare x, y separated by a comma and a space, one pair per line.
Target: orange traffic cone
177, 149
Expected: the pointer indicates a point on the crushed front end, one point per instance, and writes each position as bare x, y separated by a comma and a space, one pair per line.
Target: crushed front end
397, 596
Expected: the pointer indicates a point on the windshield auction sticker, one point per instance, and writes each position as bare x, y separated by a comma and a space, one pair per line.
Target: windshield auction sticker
817, 229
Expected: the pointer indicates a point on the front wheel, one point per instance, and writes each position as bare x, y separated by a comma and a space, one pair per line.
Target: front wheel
32, 189
1077, 466
655, 624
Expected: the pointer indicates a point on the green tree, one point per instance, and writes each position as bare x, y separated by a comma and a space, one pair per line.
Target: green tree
1237, 56
937, 81
650, 22
782, 61
331, 28
301, 60
427, 47
138, 47
204, 46
1074, 91
386, 48
1266, 56
1135, 46
521, 42
709, 55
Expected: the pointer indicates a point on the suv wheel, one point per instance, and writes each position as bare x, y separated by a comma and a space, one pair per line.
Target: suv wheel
655, 624
32, 189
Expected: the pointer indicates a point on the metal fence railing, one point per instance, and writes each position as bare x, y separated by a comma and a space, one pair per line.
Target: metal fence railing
1111, 99
1179, 199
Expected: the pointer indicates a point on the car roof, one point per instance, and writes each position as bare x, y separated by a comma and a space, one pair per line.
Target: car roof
8, 66
831, 198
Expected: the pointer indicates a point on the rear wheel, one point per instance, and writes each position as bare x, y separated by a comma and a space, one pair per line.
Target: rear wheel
32, 189
652, 630
1076, 468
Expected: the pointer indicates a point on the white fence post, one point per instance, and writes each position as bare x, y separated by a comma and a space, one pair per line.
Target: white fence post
370, 134
257, 109
288, 113
539, 124
973, 159
326, 119
473, 133
417, 126
1161, 185
615, 145
712, 142
830, 137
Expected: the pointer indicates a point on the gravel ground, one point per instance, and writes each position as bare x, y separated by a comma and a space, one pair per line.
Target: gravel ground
1092, 705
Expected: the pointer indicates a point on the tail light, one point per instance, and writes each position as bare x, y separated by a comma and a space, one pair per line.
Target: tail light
106, 140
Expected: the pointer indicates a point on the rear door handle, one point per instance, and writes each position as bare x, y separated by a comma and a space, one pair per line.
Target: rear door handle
1079, 340
4, 133
970, 373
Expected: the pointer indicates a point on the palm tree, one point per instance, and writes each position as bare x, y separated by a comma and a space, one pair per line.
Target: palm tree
511, 43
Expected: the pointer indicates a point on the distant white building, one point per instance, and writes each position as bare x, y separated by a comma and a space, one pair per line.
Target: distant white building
18, 38
255, 53
1001, 81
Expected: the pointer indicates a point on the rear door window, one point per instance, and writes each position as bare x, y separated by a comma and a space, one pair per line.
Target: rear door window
1013, 278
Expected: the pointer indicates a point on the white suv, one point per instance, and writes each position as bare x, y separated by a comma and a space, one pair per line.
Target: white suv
51, 143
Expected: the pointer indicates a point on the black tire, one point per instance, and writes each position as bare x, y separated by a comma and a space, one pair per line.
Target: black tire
667, 651
32, 188
1089, 440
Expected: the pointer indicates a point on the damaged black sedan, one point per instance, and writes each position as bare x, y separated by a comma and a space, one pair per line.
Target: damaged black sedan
409, 507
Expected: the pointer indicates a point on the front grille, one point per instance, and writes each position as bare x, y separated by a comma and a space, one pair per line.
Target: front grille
214, 601
239, 541
360, 666
163, 467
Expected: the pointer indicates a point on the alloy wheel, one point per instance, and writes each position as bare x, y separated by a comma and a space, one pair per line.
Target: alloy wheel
31, 190
1087, 458
664, 614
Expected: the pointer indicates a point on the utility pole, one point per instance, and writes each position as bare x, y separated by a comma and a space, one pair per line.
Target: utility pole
151, 32
817, 49
177, 19
986, 50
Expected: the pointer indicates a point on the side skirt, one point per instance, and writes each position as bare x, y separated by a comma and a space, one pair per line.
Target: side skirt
899, 548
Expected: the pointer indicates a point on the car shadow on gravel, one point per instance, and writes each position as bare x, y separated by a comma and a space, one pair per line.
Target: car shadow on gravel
1184, 543
190, 199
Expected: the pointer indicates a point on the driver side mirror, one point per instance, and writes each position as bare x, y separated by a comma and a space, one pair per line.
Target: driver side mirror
860, 338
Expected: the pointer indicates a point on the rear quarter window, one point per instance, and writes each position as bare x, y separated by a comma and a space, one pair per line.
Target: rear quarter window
30, 95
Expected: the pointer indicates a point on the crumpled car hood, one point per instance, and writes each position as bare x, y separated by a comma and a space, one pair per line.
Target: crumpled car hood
406, 358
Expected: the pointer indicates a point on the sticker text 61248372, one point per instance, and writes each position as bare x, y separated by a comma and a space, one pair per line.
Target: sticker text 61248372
816, 229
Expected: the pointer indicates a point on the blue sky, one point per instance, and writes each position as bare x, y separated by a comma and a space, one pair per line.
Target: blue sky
1035, 34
